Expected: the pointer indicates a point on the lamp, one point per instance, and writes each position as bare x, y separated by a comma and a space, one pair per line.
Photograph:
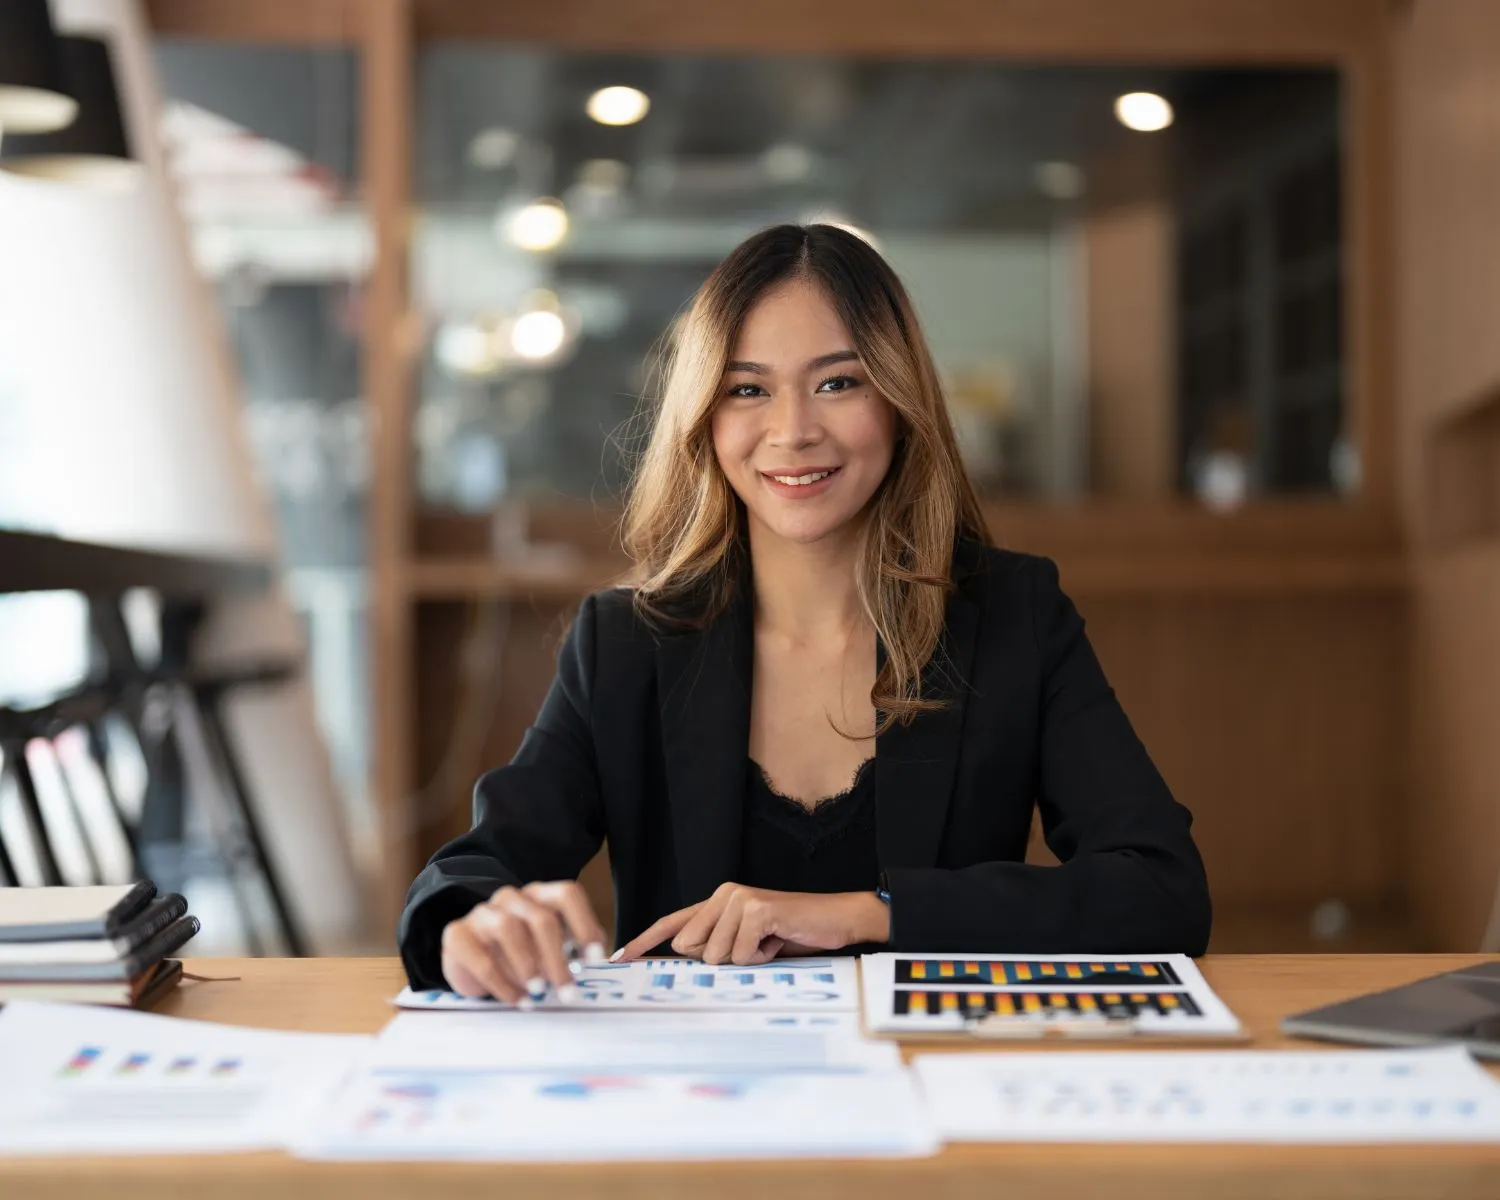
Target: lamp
33, 97
93, 149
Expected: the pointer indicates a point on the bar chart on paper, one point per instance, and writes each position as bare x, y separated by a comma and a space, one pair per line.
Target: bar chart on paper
789, 985
77, 1079
1155, 994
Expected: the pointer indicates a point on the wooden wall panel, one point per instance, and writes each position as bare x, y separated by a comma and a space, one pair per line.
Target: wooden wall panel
1448, 195
1453, 811
1131, 317
1279, 723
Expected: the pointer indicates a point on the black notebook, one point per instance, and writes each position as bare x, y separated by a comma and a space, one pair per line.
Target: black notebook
50, 914
153, 949
1459, 1007
156, 916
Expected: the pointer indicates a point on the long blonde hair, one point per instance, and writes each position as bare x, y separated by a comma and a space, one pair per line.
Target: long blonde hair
683, 524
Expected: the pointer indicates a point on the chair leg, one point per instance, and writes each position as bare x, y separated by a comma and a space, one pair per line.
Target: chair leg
209, 706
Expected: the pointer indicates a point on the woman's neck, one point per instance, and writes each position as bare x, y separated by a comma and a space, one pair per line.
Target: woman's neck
806, 592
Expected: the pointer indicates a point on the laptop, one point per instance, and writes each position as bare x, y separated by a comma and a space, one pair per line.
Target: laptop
1458, 1007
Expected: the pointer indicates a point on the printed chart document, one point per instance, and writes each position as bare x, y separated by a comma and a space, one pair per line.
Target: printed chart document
1128, 994
75, 1079
1437, 1095
733, 1041
788, 985
547, 1086
567, 1115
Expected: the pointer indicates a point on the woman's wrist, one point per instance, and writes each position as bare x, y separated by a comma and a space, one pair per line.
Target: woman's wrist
872, 919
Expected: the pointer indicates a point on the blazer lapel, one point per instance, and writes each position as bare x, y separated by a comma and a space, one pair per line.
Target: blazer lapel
916, 764
703, 677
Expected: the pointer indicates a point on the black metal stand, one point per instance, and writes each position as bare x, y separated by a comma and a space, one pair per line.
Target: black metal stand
141, 697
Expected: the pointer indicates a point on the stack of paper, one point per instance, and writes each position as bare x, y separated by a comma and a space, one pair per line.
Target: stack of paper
672, 1060
1186, 1096
79, 1080
97, 945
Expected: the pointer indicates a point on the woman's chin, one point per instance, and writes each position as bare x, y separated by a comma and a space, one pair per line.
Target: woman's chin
807, 531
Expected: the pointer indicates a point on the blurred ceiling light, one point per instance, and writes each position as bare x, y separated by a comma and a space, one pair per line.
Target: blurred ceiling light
463, 348
538, 335
493, 149
92, 150
539, 226
34, 96
787, 162
1145, 112
604, 174
618, 105
1059, 180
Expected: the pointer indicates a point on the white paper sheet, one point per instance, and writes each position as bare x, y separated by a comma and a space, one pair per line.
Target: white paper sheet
629, 1041
75, 1079
1215, 1096
787, 985
1162, 994
572, 1115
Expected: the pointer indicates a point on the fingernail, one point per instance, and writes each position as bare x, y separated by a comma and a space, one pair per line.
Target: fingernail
569, 994
525, 1004
593, 954
536, 987
617, 955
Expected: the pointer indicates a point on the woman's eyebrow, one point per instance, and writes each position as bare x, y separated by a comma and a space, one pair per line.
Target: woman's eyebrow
823, 360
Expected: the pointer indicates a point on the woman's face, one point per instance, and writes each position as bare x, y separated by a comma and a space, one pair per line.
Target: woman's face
800, 433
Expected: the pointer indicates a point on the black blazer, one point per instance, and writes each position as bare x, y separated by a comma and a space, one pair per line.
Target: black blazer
643, 739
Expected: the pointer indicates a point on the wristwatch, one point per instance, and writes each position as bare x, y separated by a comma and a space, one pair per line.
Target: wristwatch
883, 891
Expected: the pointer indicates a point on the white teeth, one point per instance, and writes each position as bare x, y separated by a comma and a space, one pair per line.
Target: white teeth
801, 480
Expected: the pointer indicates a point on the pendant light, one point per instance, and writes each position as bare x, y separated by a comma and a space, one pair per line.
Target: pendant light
33, 96
93, 149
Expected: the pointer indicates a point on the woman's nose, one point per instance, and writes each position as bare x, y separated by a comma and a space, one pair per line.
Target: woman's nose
793, 421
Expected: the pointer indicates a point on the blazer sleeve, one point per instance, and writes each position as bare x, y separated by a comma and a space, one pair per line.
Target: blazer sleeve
1131, 879
538, 818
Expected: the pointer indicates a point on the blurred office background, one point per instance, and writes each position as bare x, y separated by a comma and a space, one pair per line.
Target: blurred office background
344, 339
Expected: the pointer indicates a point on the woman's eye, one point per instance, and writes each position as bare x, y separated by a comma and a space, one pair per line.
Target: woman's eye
839, 383
742, 390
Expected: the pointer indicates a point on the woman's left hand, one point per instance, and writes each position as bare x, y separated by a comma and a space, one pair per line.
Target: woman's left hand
748, 926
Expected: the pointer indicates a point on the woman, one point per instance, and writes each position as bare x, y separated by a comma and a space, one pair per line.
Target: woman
822, 717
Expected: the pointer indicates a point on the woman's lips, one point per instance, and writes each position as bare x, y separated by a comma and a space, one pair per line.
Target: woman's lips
801, 491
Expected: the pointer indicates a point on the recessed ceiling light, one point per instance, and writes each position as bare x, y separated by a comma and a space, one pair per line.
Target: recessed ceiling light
539, 226
1145, 112
787, 162
618, 105
1059, 180
463, 348
493, 149
538, 335
604, 174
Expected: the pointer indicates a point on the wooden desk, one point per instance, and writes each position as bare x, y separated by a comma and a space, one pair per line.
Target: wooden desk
350, 995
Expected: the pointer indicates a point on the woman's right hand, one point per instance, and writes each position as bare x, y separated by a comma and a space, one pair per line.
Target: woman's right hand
511, 946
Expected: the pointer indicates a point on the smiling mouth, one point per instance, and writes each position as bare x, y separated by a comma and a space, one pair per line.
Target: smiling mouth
804, 479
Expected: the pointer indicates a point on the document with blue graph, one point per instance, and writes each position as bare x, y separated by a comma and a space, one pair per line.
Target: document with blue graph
75, 1079
684, 985
566, 1086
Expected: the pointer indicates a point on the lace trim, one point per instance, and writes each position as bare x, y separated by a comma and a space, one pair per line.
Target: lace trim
830, 819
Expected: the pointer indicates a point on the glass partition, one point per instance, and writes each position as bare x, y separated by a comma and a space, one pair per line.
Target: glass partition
1131, 277
262, 145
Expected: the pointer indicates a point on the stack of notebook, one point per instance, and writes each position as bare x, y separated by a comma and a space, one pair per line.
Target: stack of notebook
91, 945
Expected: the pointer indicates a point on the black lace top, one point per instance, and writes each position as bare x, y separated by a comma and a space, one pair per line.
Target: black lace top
828, 848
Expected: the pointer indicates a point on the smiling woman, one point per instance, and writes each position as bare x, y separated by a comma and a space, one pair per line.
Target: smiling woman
824, 714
